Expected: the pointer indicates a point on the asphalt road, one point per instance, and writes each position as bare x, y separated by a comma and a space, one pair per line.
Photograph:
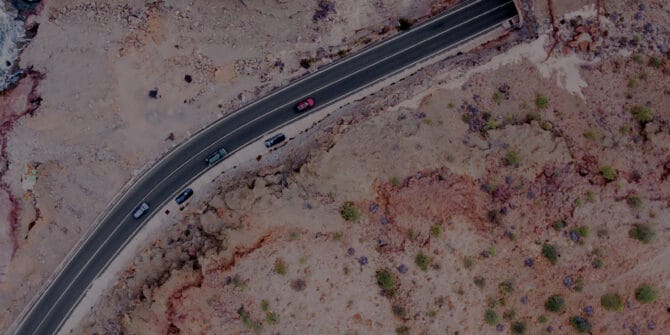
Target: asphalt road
185, 163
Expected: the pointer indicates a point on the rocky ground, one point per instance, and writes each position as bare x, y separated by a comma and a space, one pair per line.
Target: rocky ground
526, 193
110, 86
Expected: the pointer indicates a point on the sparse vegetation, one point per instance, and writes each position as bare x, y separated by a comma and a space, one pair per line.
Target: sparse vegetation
506, 287
632, 83
512, 158
580, 324
541, 101
555, 304
280, 266
497, 97
422, 261
637, 58
642, 114
518, 327
542, 319
634, 201
582, 231
386, 281
558, 225
271, 318
509, 314
646, 294
643, 233
550, 253
395, 181
265, 305
436, 230
597, 263
612, 302
491, 317
350, 212
608, 172
590, 134
655, 62
250, 323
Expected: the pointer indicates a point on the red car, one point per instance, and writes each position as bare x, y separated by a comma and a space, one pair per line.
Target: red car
304, 105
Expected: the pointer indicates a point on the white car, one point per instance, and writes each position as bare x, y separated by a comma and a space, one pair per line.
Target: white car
140, 210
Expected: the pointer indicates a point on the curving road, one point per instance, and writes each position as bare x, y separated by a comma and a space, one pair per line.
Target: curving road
186, 162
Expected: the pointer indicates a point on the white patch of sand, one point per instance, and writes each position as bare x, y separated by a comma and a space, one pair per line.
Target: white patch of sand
586, 11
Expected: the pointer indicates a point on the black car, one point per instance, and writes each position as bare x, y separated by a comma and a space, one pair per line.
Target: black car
274, 140
184, 196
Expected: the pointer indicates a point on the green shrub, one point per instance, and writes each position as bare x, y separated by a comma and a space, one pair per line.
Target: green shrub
632, 83
555, 304
265, 305
634, 201
582, 231
608, 172
497, 97
642, 114
436, 230
550, 253
597, 263
518, 327
637, 58
558, 225
386, 281
590, 134
655, 62
491, 317
422, 261
646, 294
272, 318
349, 212
541, 101
395, 181
280, 266
542, 319
509, 314
506, 287
643, 233
580, 324
612, 302
512, 158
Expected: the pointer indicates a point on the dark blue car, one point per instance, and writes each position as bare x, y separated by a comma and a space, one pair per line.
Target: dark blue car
184, 196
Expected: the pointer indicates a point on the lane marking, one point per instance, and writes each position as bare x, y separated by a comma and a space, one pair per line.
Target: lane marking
140, 225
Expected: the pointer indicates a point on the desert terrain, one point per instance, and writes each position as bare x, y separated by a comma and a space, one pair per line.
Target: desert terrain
526, 193
519, 188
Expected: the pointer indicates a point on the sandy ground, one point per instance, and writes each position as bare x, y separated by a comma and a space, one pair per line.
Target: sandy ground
462, 177
85, 123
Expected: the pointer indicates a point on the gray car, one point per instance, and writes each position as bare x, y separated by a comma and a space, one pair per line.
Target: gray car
140, 210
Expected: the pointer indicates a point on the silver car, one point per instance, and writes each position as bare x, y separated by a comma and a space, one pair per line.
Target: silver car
140, 210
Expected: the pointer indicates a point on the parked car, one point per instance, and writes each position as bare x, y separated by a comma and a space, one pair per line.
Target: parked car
274, 140
184, 196
304, 105
216, 156
140, 210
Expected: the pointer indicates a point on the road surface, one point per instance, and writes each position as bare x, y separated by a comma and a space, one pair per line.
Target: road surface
185, 163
